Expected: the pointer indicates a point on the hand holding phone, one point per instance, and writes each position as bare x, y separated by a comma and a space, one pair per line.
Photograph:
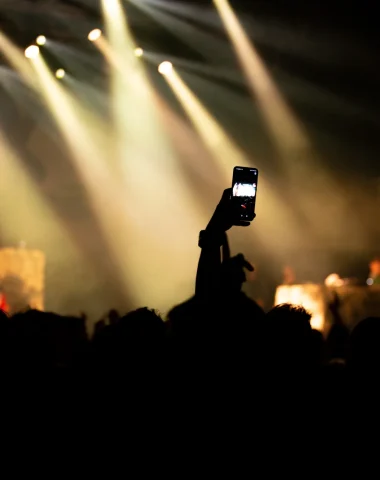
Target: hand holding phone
244, 191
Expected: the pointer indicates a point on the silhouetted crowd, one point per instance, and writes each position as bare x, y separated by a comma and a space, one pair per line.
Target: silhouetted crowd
224, 337
217, 362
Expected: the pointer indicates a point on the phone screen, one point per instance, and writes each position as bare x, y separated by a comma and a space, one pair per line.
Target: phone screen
244, 190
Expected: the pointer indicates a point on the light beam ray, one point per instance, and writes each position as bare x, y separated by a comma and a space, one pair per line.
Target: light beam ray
287, 133
299, 160
90, 165
227, 155
17, 60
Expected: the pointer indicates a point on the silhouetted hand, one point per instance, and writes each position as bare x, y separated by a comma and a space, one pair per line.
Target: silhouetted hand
224, 218
234, 271
243, 263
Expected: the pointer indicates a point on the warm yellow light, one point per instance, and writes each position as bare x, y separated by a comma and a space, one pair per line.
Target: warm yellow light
211, 132
95, 35
139, 52
285, 128
32, 51
309, 296
165, 68
60, 73
41, 40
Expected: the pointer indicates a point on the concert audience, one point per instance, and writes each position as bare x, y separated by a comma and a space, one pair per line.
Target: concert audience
219, 343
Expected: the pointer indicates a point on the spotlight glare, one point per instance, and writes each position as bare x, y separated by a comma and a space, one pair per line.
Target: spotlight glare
32, 52
165, 68
94, 35
139, 52
41, 40
60, 73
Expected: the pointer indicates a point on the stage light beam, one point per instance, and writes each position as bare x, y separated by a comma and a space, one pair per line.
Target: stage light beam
212, 133
227, 154
165, 68
60, 73
17, 59
286, 130
32, 52
41, 40
136, 119
94, 35
139, 52
290, 137
88, 161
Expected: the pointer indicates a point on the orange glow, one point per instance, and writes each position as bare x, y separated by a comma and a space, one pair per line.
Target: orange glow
309, 296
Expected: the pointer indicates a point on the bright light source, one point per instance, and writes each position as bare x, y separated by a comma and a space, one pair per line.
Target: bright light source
311, 297
165, 68
60, 73
139, 52
41, 40
94, 35
32, 51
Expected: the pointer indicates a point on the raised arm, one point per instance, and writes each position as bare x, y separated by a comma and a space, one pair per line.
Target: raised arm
210, 240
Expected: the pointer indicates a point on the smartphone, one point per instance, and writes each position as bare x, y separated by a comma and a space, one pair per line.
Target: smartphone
244, 190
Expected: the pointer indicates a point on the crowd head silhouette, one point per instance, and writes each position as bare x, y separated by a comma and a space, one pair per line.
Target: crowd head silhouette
218, 343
